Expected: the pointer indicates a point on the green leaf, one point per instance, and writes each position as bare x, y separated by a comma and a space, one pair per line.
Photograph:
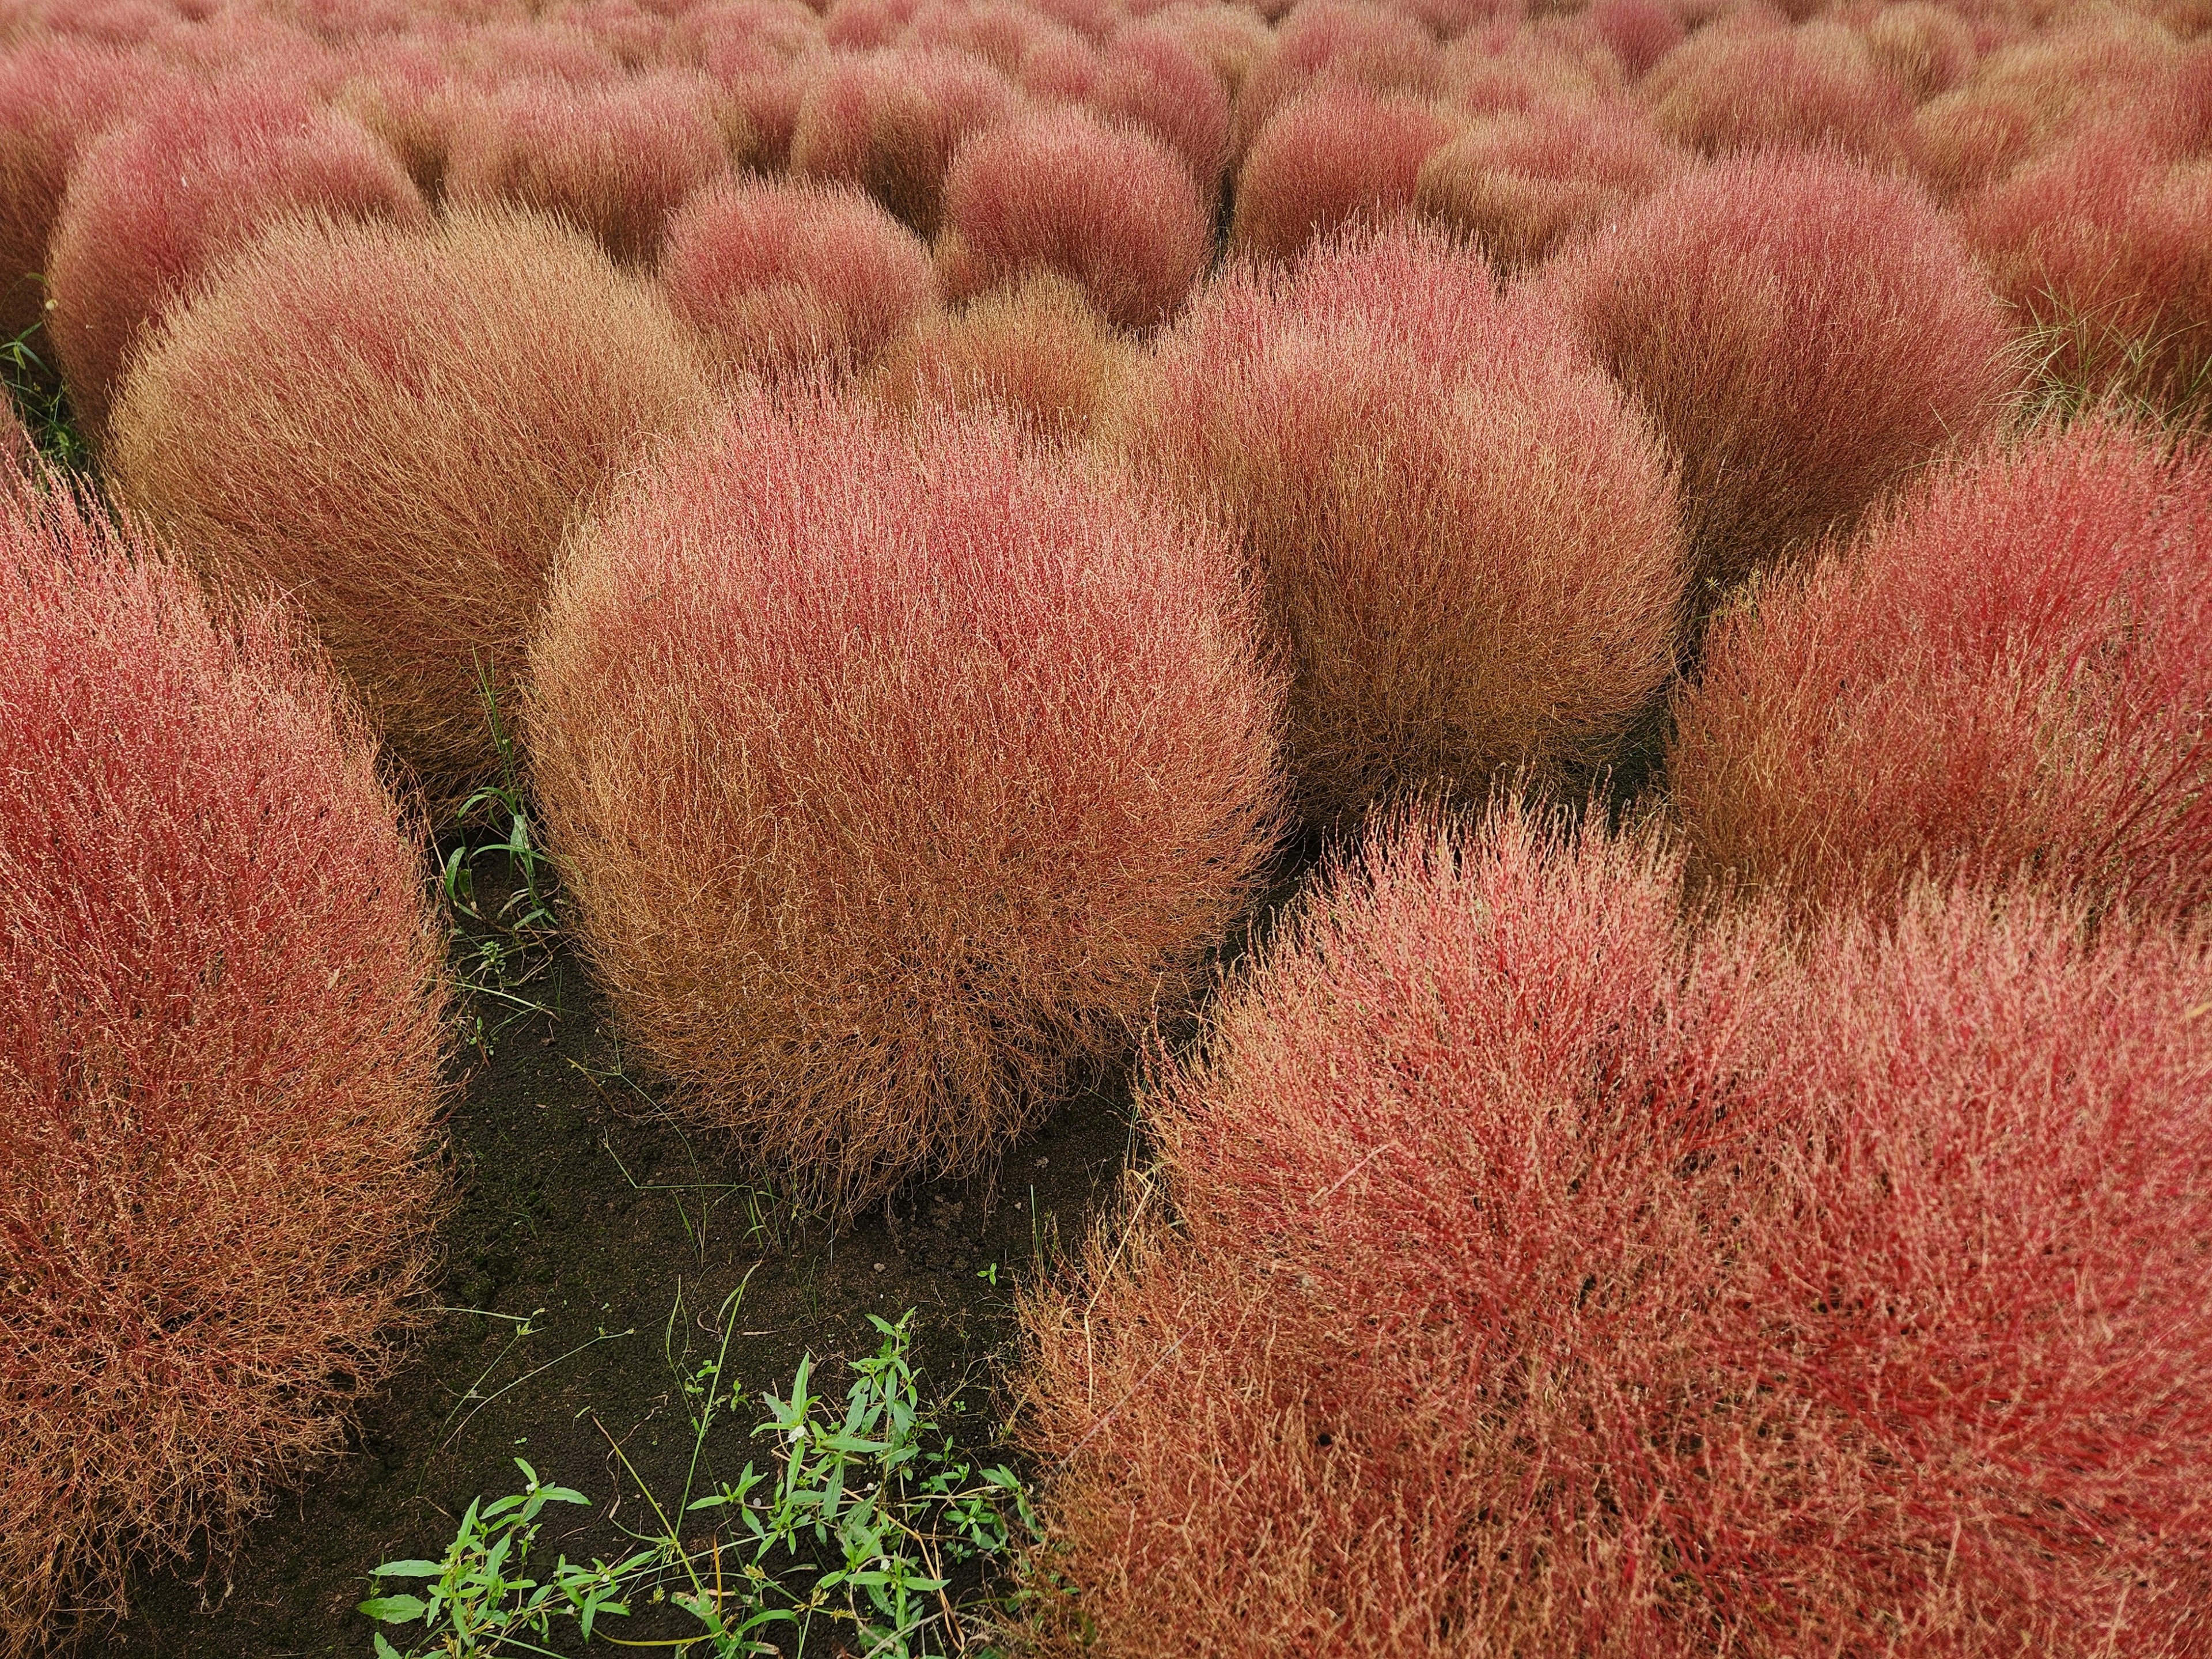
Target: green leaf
407, 1569
393, 1609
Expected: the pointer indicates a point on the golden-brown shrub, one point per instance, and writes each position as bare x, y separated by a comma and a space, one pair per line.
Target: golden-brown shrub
395, 427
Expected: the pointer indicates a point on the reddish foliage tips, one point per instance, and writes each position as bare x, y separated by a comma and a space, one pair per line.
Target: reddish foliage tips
221, 1024
616, 161
1466, 543
1802, 333
1639, 32
154, 206
1922, 47
1353, 42
2008, 675
1154, 78
761, 53
275, 429
1334, 157
781, 279
1528, 1244
986, 838
890, 123
1061, 191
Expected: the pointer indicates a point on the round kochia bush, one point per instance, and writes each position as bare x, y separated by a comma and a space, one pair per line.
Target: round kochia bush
157, 203
395, 428
220, 1059
2009, 674
893, 775
1467, 545
1550, 1278
1802, 331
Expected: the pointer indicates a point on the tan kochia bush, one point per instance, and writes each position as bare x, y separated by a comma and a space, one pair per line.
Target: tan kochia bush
1467, 541
396, 427
894, 773
1037, 351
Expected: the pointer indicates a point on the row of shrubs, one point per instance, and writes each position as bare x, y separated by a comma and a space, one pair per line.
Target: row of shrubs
921, 672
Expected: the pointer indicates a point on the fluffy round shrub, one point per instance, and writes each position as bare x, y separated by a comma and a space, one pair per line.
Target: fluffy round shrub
781, 279
889, 122
55, 97
1466, 543
221, 1018
1108, 208
1764, 87
1154, 78
1352, 43
1925, 49
1802, 333
2100, 247
1037, 352
761, 53
616, 161
154, 206
1639, 32
1334, 157
394, 427
2008, 676
894, 773
1548, 1279
1518, 183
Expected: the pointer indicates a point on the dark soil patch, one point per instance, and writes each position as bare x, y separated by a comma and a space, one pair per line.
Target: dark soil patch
616, 1235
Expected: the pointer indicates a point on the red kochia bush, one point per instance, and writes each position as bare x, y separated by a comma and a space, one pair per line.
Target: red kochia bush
1335, 155
1802, 333
154, 206
279, 429
889, 122
616, 161
2010, 674
1346, 42
1550, 1281
1466, 543
1762, 86
219, 1033
975, 742
1109, 208
2100, 246
55, 97
1154, 78
782, 278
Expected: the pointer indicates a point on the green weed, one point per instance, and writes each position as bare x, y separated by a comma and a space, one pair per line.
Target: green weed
35, 385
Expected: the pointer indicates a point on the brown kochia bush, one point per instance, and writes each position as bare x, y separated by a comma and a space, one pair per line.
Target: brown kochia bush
220, 1016
1803, 332
1467, 543
894, 773
395, 428
1036, 351
2010, 674
1551, 1279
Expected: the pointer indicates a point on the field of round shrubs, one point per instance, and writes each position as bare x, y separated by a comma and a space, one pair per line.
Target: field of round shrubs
1166, 828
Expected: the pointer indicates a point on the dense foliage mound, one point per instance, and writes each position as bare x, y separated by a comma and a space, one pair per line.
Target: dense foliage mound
1802, 331
2008, 675
395, 427
896, 769
219, 1033
1466, 542
889, 122
1532, 1274
1335, 155
786, 278
159, 202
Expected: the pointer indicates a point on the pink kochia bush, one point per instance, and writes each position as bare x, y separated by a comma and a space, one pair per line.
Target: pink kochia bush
2010, 674
1803, 332
1337, 155
615, 160
220, 1016
783, 279
890, 123
1109, 208
1466, 543
1550, 1277
1763, 86
896, 769
156, 204
279, 431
